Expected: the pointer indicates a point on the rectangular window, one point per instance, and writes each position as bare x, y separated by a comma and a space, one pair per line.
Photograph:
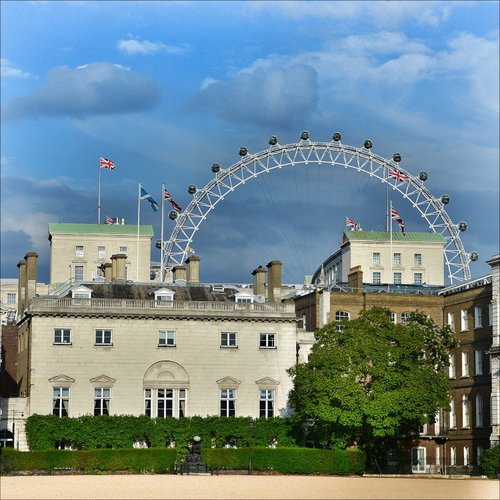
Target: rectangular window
78, 273
103, 337
394, 318
123, 250
405, 316
376, 258
478, 317
101, 252
397, 259
227, 402
465, 364
452, 371
228, 339
417, 278
453, 415
148, 402
165, 403
166, 338
79, 251
464, 321
451, 320
182, 401
417, 259
102, 397
453, 456
479, 411
465, 412
398, 278
479, 451
478, 362
266, 403
267, 340
60, 401
340, 318
376, 278
466, 456
62, 336
11, 298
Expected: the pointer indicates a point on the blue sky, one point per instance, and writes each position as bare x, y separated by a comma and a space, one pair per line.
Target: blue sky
166, 89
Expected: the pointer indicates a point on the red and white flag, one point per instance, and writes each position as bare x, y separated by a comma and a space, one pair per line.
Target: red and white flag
168, 197
395, 216
109, 220
105, 163
398, 175
351, 223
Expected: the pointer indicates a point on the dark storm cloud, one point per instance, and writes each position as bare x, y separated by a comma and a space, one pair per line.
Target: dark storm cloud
278, 97
97, 88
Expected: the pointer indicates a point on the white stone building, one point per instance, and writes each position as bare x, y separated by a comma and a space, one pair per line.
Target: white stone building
412, 258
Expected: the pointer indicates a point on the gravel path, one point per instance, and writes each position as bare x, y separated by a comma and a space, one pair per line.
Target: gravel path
243, 487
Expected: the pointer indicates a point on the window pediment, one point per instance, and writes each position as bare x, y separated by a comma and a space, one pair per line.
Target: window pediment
228, 382
267, 383
103, 379
61, 379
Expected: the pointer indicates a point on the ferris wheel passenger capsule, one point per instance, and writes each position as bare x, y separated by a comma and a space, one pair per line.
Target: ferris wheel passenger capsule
273, 140
445, 199
474, 256
304, 135
192, 189
243, 151
368, 144
215, 168
336, 137
172, 215
396, 157
423, 176
462, 226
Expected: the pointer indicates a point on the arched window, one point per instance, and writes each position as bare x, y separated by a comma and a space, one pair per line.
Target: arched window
340, 316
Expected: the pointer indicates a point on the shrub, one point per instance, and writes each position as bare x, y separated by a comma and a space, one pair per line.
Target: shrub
490, 461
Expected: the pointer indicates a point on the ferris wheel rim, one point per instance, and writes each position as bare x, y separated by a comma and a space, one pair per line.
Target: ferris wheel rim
335, 153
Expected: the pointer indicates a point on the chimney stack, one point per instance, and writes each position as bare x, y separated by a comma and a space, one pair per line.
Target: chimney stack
193, 269
30, 282
355, 279
108, 271
259, 281
179, 273
21, 287
274, 281
118, 266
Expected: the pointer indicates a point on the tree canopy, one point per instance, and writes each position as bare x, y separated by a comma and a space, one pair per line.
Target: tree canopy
369, 378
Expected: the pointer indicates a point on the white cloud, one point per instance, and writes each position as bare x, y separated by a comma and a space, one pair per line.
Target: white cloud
134, 47
92, 89
9, 71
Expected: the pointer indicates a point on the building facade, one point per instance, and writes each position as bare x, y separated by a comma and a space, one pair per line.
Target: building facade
79, 251
412, 258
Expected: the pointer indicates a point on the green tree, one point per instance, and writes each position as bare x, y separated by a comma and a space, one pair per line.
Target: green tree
369, 380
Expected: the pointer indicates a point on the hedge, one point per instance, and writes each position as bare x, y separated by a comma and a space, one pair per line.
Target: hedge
45, 432
490, 461
154, 460
134, 460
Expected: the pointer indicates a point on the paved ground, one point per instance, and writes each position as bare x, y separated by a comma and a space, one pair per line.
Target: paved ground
244, 487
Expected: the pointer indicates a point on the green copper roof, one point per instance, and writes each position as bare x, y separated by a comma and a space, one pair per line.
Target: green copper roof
73, 228
396, 236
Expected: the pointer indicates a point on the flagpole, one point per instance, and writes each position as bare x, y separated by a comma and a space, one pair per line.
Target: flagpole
138, 222
99, 197
390, 226
162, 279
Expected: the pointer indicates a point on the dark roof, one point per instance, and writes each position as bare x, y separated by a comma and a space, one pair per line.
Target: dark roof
188, 292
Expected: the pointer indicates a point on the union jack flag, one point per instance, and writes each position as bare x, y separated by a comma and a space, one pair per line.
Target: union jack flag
168, 197
395, 216
109, 220
105, 163
398, 175
351, 223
